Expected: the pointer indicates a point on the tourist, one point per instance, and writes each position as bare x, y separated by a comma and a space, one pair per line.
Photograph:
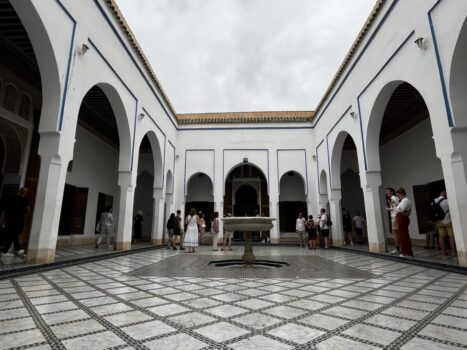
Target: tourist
311, 229
359, 223
138, 227
192, 232
324, 227
178, 231
15, 211
392, 201
201, 226
170, 231
347, 225
445, 225
300, 229
215, 230
106, 228
402, 216
227, 238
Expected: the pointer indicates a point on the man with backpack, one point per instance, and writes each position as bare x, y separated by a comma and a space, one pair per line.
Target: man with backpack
439, 213
324, 224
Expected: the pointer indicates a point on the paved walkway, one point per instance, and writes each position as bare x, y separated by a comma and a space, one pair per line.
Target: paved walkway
114, 304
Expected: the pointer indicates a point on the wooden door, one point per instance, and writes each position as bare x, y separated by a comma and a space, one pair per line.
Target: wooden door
422, 204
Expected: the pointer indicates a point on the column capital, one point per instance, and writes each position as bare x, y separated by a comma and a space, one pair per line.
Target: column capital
370, 180
125, 179
335, 194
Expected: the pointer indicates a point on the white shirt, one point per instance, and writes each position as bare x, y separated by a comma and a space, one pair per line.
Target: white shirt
445, 206
359, 221
394, 202
323, 219
404, 206
107, 219
300, 225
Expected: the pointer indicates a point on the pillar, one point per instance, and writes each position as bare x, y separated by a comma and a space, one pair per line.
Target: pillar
371, 181
219, 207
158, 221
336, 217
125, 210
274, 213
48, 205
454, 170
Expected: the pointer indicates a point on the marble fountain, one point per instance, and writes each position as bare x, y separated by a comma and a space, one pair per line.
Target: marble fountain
247, 225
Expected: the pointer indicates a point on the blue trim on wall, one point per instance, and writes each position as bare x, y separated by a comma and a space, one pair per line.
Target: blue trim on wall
68, 68
368, 85
173, 169
165, 146
306, 165
122, 42
447, 105
213, 167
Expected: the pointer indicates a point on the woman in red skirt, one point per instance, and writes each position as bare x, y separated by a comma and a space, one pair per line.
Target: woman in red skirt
402, 217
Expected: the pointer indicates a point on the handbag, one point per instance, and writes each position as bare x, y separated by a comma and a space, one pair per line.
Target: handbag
98, 227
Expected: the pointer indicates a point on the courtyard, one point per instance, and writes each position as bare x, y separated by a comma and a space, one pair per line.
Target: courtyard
165, 299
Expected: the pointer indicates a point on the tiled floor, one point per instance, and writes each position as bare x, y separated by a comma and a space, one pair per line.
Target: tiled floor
99, 305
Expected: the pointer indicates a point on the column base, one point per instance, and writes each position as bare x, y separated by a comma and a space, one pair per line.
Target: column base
377, 247
462, 256
338, 242
123, 246
274, 240
41, 256
156, 241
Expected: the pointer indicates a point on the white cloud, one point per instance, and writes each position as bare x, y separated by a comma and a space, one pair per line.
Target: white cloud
245, 55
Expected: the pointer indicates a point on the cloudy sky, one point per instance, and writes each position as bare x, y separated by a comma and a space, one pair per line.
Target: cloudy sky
245, 55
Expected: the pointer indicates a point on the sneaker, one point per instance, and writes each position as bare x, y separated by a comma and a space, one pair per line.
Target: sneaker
269, 240
395, 251
174, 248
19, 252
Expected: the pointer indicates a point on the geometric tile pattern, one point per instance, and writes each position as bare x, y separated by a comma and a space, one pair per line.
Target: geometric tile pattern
102, 305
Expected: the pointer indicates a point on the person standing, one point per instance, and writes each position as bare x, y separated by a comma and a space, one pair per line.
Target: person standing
202, 227
311, 229
138, 227
15, 212
300, 229
106, 223
192, 232
359, 224
445, 225
215, 230
170, 231
404, 209
392, 201
323, 224
178, 230
347, 224
227, 237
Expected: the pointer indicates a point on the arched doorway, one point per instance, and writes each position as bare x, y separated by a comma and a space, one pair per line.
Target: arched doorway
292, 200
200, 196
92, 177
246, 193
323, 190
400, 143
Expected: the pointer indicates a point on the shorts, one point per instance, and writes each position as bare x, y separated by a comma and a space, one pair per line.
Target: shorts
170, 232
445, 229
228, 234
359, 231
312, 235
325, 232
394, 224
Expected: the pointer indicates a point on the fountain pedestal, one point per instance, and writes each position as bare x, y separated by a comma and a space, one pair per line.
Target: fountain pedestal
248, 224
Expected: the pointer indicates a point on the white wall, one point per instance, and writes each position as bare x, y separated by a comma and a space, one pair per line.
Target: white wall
95, 166
410, 160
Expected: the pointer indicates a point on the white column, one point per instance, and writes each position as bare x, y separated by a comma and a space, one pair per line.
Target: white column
125, 210
455, 178
371, 181
336, 217
157, 223
48, 205
219, 207
274, 213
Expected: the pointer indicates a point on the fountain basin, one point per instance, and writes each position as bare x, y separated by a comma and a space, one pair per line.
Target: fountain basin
248, 223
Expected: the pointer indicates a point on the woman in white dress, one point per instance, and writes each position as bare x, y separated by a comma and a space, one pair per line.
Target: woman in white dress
191, 234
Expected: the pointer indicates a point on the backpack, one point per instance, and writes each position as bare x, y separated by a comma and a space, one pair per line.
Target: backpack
436, 212
329, 222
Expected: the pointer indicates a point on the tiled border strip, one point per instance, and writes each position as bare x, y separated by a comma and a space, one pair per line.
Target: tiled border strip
412, 261
19, 271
